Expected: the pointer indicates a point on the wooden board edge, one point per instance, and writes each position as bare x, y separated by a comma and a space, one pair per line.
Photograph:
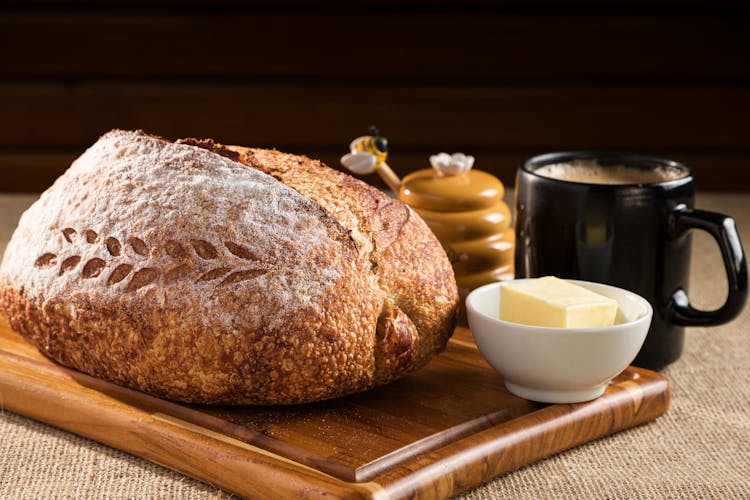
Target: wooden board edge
638, 397
33, 389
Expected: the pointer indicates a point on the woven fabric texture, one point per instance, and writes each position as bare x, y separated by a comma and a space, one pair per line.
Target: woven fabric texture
699, 449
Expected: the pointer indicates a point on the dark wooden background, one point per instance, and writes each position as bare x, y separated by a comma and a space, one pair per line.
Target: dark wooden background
500, 80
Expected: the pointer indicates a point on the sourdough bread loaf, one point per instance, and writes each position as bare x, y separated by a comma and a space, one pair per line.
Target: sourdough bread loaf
219, 274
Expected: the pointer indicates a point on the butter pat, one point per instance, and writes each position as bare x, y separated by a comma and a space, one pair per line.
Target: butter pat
552, 302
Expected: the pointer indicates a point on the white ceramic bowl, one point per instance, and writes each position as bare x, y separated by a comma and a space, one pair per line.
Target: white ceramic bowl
558, 365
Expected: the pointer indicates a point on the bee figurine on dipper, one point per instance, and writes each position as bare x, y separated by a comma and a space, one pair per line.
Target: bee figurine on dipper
367, 154
462, 206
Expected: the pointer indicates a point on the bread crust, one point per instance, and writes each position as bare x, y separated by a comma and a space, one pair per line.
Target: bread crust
175, 269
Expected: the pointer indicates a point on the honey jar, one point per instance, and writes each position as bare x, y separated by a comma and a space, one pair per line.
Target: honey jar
465, 209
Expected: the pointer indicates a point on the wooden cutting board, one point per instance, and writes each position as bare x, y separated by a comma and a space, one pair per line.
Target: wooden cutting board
440, 431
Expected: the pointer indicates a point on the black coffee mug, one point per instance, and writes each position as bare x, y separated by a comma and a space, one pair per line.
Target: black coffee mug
635, 236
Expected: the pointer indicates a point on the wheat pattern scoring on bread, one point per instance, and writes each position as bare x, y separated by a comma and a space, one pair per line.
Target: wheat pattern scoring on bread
231, 272
213, 274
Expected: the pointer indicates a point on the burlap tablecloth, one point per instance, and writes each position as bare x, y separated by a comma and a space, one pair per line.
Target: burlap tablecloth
699, 449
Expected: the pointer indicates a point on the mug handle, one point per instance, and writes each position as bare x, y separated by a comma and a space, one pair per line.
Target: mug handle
724, 231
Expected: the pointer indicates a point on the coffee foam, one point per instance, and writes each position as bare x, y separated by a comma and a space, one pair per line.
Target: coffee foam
591, 172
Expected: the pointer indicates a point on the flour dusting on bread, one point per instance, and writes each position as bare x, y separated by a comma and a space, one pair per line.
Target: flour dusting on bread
151, 190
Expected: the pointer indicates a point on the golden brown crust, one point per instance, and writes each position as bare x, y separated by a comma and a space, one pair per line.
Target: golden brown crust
175, 270
410, 265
